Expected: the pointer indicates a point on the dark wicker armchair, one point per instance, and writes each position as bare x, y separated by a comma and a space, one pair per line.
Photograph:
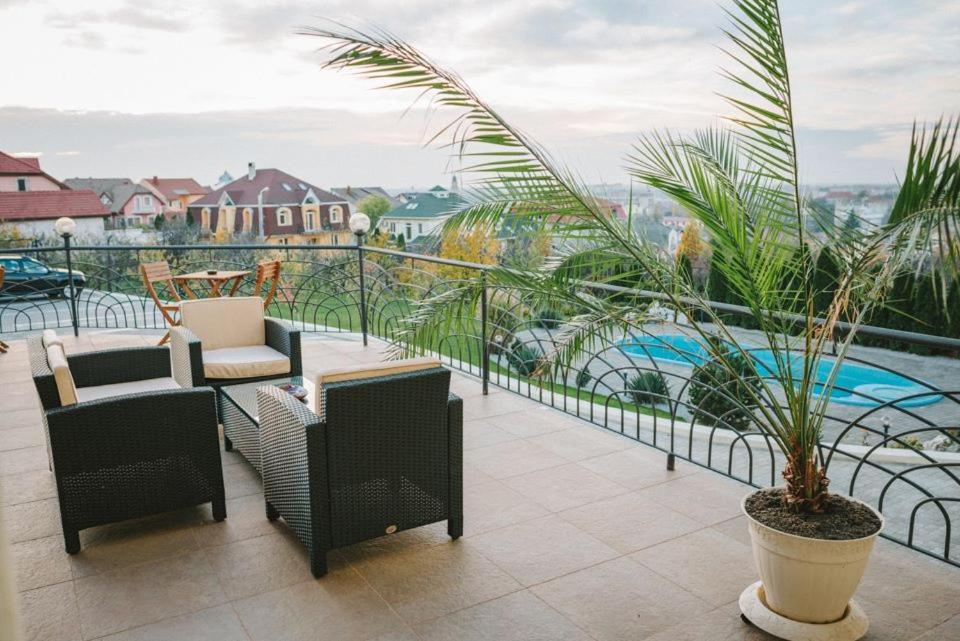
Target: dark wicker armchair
384, 455
118, 455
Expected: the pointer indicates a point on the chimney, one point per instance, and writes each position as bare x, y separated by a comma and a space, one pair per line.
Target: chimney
251, 171
156, 181
454, 186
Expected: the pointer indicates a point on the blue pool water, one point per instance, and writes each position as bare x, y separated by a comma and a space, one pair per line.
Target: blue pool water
871, 382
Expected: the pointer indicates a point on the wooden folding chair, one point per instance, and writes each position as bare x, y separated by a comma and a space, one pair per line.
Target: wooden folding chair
268, 271
159, 273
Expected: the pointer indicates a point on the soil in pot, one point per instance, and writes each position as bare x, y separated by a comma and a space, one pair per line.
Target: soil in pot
841, 519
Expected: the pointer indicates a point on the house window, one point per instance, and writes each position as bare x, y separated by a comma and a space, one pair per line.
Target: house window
284, 217
335, 239
409, 231
247, 220
175, 204
309, 220
205, 219
336, 214
419, 228
393, 228
21, 184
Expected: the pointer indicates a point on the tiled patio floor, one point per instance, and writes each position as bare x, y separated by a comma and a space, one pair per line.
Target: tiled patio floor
571, 534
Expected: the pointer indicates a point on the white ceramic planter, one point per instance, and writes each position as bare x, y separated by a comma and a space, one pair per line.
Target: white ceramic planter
808, 580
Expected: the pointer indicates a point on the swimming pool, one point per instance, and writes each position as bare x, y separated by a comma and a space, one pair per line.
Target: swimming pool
874, 385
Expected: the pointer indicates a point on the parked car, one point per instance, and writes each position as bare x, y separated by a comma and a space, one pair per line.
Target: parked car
26, 275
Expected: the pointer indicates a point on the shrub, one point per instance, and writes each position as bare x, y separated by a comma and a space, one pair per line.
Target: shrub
720, 394
648, 388
548, 318
524, 358
583, 378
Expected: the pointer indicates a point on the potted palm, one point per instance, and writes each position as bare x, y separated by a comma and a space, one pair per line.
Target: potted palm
741, 184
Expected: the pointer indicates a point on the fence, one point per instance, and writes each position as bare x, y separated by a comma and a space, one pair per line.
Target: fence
891, 437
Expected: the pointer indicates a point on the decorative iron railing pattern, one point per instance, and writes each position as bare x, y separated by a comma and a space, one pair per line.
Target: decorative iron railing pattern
892, 436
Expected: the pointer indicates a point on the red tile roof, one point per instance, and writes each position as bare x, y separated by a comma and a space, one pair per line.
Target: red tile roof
19, 166
172, 188
40, 205
284, 190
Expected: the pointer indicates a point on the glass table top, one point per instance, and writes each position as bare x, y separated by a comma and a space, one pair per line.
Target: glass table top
244, 395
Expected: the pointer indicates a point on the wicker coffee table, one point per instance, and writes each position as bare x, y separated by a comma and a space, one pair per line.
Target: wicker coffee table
241, 423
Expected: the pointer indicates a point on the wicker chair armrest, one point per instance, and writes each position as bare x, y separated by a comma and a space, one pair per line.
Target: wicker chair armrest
286, 340
455, 455
186, 358
117, 430
119, 365
42, 374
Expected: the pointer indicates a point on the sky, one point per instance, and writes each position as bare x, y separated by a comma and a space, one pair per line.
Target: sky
195, 87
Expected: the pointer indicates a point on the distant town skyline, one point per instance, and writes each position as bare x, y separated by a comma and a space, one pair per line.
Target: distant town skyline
135, 89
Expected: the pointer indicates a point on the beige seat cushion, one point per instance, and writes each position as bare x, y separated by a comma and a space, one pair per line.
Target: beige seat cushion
225, 322
85, 394
244, 362
50, 338
57, 360
357, 372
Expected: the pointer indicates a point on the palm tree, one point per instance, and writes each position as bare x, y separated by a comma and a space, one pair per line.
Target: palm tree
739, 182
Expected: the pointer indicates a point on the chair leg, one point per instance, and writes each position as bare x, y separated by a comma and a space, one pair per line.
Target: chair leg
227, 444
455, 527
318, 563
219, 506
71, 539
272, 513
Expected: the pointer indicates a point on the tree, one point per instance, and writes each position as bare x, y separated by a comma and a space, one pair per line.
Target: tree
158, 222
742, 183
691, 245
190, 220
374, 206
476, 245
851, 224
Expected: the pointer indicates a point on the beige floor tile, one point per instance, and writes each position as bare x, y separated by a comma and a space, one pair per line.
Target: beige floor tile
40, 562
620, 600
260, 564
473, 476
246, 519
431, 582
563, 487
722, 624
629, 522
27, 487
948, 630
18, 438
581, 442
118, 545
541, 549
27, 521
520, 616
26, 460
707, 497
494, 405
22, 399
712, 566
339, 606
503, 460
50, 613
735, 528
637, 467
533, 421
481, 433
241, 480
20, 418
215, 624
146, 593
489, 506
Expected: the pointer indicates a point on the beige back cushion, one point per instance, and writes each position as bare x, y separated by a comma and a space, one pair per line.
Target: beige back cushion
50, 338
358, 372
225, 322
57, 361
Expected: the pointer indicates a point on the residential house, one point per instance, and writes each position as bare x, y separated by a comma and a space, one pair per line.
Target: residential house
130, 204
354, 195
175, 194
422, 214
294, 211
31, 200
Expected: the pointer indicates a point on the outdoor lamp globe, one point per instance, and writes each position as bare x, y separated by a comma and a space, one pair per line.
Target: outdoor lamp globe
359, 223
65, 226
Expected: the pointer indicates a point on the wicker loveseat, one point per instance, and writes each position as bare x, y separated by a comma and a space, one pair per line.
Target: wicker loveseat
125, 440
383, 453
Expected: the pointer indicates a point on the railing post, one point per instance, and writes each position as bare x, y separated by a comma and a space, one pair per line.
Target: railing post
671, 461
485, 357
73, 297
363, 293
